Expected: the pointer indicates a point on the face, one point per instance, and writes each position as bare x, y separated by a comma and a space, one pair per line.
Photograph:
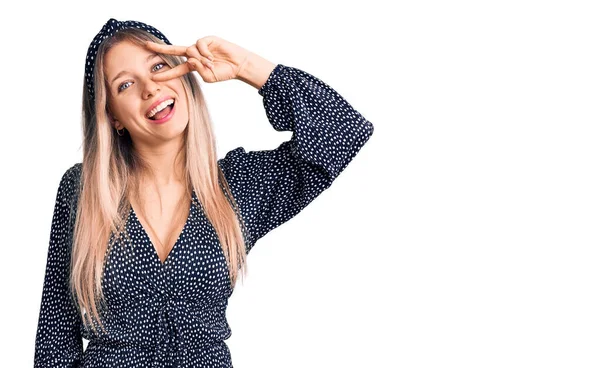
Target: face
133, 93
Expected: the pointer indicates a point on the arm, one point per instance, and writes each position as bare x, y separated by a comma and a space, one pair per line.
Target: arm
255, 70
272, 186
58, 342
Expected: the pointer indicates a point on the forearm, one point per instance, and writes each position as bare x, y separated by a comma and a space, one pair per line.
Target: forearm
256, 70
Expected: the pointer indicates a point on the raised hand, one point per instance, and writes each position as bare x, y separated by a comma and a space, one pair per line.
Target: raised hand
214, 58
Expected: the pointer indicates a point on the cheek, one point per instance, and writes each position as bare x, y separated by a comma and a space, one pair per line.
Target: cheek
183, 107
124, 110
180, 90
182, 101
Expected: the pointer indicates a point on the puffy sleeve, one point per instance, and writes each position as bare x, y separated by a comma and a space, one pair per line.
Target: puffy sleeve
272, 186
58, 341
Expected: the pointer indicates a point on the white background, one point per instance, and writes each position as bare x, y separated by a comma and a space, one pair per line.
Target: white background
465, 233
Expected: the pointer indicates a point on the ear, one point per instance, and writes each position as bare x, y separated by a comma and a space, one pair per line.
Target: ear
113, 121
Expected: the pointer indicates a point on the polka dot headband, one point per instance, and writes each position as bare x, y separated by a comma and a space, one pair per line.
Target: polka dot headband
111, 27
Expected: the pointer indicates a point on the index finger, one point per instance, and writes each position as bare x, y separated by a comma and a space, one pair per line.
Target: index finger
166, 49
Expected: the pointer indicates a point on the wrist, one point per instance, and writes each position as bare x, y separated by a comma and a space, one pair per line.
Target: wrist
255, 70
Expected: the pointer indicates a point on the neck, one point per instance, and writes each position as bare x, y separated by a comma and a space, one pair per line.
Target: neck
167, 166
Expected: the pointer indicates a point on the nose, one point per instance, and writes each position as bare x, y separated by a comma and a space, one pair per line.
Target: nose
151, 88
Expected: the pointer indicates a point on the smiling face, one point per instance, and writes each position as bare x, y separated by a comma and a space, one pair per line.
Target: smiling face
132, 94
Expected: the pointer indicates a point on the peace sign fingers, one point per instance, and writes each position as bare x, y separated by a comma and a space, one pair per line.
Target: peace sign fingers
214, 58
195, 60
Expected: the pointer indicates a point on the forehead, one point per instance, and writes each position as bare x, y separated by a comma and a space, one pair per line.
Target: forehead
125, 56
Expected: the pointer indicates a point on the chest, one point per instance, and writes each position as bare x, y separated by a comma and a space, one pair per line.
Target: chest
194, 268
162, 221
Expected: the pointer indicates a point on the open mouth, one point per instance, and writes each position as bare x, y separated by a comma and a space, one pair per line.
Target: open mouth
164, 112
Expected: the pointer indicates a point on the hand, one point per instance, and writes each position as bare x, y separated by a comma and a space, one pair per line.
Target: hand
214, 58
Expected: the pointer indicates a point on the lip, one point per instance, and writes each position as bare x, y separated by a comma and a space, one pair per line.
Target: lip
156, 103
166, 118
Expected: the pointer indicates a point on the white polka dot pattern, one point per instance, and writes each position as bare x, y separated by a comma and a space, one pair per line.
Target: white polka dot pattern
58, 341
272, 186
172, 314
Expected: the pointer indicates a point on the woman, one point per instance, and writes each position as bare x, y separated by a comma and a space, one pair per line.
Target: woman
150, 230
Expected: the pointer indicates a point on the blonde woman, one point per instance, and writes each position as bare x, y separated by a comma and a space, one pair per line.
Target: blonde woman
151, 229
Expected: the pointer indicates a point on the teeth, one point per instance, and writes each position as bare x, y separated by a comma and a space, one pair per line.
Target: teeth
160, 107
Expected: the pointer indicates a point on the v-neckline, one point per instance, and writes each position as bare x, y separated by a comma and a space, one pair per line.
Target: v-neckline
177, 240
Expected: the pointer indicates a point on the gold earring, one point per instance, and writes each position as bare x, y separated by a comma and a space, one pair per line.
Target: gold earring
121, 134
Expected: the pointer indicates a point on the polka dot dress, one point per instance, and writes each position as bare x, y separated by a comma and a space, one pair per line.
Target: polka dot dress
172, 314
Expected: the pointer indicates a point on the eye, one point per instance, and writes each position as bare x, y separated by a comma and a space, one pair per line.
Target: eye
159, 64
120, 88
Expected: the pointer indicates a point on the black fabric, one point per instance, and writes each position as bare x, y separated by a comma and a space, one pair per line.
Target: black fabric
173, 313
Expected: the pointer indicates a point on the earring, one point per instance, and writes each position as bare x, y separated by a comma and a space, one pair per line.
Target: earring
121, 134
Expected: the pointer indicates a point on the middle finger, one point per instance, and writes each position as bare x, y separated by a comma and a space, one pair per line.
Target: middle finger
176, 72
193, 52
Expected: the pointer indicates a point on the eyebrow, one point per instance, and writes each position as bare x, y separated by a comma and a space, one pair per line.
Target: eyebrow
151, 56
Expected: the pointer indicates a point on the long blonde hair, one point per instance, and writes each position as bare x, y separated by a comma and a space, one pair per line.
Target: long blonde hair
110, 175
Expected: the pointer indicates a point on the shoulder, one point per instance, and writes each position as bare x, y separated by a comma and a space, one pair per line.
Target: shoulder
232, 157
72, 175
70, 182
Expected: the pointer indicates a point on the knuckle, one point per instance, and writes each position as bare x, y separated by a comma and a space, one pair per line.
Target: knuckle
209, 38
